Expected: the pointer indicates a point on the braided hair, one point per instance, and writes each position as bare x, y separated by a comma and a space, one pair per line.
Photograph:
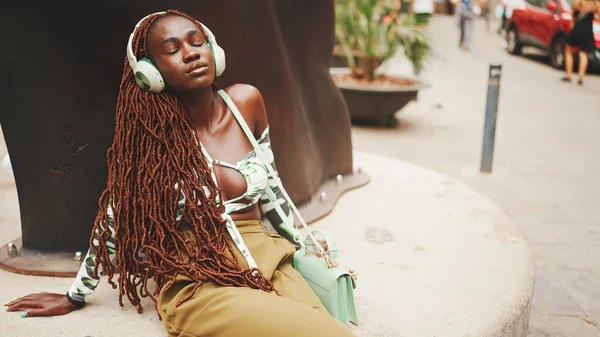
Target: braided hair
154, 158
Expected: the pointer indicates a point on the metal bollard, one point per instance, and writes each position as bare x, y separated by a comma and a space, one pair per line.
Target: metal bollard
491, 112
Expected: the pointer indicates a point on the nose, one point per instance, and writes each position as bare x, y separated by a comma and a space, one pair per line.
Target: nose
190, 54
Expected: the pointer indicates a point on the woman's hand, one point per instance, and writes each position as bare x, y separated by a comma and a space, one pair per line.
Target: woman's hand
41, 304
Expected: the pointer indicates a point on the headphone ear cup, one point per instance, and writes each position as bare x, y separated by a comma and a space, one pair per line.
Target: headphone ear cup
219, 56
147, 76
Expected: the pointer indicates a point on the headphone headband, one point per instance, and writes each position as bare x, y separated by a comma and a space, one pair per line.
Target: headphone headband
148, 77
130, 54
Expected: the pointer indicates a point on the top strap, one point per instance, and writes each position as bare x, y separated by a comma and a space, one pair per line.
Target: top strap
274, 174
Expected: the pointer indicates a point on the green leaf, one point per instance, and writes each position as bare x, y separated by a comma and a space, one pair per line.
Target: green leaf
369, 28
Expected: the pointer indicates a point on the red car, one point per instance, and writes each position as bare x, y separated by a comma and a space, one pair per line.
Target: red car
545, 24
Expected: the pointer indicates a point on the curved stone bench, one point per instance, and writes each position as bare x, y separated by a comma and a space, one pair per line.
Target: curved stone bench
433, 257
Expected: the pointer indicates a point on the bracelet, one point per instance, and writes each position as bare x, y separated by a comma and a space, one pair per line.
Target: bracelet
79, 304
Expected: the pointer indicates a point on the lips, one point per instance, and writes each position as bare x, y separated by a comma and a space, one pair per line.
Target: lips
197, 69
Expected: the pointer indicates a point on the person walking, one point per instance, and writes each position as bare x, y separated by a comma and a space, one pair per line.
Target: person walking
581, 36
466, 17
504, 16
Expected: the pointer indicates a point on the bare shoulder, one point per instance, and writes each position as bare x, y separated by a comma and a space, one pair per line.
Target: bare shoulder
250, 102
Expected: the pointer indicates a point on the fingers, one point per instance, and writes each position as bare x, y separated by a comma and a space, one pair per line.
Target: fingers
42, 312
9, 302
9, 306
22, 303
17, 299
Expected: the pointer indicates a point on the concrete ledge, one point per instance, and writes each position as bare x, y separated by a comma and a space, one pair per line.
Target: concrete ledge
433, 257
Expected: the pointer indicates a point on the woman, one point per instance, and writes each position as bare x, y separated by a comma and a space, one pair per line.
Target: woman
466, 17
582, 37
181, 170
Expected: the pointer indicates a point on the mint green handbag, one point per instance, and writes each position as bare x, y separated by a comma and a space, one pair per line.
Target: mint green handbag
334, 286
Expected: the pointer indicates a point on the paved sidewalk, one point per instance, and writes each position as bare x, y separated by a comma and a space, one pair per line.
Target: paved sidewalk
546, 172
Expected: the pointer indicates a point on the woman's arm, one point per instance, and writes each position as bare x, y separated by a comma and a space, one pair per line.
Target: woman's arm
85, 283
51, 304
282, 222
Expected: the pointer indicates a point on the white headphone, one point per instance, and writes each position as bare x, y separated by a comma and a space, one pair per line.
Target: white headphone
148, 77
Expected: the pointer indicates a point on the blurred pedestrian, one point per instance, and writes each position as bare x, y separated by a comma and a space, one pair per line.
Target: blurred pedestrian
466, 17
581, 36
504, 17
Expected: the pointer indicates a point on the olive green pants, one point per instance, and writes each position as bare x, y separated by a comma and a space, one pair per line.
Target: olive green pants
240, 311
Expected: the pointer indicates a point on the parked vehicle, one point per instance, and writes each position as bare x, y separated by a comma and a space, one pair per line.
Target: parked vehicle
545, 24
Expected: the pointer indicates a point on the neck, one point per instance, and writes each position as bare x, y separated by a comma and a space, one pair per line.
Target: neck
202, 106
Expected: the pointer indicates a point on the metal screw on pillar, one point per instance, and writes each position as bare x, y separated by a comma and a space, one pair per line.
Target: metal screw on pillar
78, 256
359, 170
323, 196
12, 250
339, 179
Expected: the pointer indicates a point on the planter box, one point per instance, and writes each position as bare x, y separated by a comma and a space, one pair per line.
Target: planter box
376, 105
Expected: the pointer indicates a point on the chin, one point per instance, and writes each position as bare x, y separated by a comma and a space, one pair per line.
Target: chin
196, 85
200, 83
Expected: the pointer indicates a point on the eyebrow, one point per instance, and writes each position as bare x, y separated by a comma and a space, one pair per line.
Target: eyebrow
174, 39
171, 39
193, 32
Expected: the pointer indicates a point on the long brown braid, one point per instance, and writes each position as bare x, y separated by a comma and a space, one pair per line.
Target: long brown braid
155, 157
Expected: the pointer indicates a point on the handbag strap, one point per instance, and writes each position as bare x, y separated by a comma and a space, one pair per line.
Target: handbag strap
332, 248
275, 176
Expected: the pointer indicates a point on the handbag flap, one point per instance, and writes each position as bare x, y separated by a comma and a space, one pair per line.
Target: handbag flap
315, 269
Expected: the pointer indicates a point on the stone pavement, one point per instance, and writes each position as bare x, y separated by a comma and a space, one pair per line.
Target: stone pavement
546, 171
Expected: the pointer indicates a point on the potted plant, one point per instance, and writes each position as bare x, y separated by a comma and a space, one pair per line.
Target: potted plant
369, 32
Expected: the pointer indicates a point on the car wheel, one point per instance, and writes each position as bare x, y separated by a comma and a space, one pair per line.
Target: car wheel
513, 45
557, 52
